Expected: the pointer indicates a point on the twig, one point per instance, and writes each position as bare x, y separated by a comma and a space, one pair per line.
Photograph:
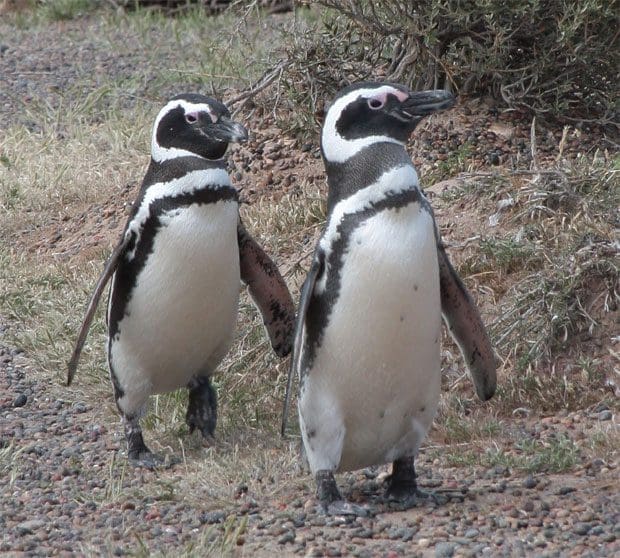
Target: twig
265, 81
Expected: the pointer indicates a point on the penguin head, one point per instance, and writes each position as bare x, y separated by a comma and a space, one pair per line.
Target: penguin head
193, 124
370, 112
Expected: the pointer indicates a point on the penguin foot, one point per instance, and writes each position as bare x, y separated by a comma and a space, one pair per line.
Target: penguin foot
150, 460
342, 507
408, 496
202, 407
402, 486
138, 454
331, 502
326, 488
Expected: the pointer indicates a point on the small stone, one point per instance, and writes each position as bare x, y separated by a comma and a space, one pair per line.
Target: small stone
444, 550
604, 415
424, 543
581, 528
30, 526
363, 533
288, 537
20, 400
530, 482
471, 533
528, 506
212, 517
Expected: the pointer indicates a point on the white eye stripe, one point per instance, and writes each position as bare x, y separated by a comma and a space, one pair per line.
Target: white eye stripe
187, 108
159, 153
336, 148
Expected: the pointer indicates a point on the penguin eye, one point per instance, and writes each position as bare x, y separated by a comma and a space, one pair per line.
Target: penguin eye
375, 104
191, 117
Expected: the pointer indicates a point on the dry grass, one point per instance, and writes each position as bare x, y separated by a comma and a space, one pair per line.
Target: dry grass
551, 277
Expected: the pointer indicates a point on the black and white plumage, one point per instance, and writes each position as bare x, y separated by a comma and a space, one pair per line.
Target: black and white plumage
175, 274
367, 343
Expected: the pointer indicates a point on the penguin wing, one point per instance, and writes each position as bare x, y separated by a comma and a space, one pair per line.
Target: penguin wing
466, 327
268, 290
108, 271
304, 300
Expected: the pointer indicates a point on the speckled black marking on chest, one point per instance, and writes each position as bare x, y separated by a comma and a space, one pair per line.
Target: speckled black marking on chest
320, 306
127, 272
362, 170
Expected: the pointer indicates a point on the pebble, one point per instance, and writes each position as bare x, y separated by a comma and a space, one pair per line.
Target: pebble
29, 527
20, 400
604, 415
212, 517
445, 550
288, 537
581, 528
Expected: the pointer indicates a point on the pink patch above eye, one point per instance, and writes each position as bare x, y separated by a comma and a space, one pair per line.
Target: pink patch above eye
400, 95
377, 101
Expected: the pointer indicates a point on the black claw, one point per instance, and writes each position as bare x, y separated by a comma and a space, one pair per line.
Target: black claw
202, 407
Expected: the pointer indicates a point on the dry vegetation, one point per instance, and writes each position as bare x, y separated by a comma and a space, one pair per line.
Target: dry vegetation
547, 275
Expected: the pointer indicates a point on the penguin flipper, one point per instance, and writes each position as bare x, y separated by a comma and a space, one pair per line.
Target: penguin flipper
304, 299
108, 271
466, 327
268, 290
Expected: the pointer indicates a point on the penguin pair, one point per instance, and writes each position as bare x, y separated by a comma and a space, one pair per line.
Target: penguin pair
367, 335
367, 340
175, 274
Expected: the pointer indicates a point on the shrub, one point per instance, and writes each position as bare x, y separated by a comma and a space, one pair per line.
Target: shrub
552, 58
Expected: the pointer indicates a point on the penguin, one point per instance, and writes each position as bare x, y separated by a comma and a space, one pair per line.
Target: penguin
175, 274
367, 340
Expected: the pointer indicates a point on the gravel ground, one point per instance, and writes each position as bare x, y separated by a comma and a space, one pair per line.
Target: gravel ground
60, 493
59, 497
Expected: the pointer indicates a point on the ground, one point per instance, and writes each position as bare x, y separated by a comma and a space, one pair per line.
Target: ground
533, 473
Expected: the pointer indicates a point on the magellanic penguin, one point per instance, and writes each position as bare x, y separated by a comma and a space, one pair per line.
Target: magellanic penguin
176, 273
367, 341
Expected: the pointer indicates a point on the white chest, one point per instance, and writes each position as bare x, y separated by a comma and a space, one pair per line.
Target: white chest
182, 312
377, 372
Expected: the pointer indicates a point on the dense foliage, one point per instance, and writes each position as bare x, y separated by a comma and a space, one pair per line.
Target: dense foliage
556, 58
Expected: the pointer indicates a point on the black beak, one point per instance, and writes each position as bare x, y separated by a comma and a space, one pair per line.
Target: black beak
228, 131
423, 103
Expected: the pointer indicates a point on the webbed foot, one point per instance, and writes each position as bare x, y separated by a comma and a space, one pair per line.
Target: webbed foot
402, 486
202, 407
330, 500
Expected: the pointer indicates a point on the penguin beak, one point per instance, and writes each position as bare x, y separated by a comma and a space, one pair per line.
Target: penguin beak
228, 131
423, 103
